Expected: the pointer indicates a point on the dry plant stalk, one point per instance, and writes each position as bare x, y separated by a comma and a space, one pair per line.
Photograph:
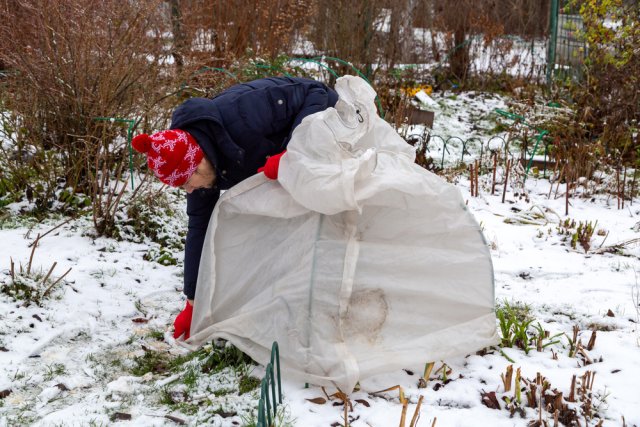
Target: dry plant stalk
587, 381
572, 390
416, 414
624, 184
403, 415
583, 352
566, 199
506, 179
53, 229
555, 170
422, 383
44, 294
445, 371
506, 379
493, 179
44, 281
346, 414
35, 245
633, 188
531, 396
574, 342
471, 180
398, 387
618, 186
477, 173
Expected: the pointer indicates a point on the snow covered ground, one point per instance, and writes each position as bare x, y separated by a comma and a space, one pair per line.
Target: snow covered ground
99, 350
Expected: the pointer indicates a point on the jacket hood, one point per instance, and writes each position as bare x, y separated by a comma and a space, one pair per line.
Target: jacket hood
201, 117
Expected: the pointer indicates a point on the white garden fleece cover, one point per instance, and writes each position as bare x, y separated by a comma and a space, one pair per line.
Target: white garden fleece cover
356, 260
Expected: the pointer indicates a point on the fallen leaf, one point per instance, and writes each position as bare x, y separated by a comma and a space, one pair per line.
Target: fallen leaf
610, 313
318, 400
140, 320
62, 387
35, 316
176, 420
4, 349
490, 400
120, 416
5, 393
364, 402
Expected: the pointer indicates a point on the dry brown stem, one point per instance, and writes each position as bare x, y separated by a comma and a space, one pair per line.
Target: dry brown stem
416, 414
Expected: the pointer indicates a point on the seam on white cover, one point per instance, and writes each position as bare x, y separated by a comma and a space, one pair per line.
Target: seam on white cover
351, 256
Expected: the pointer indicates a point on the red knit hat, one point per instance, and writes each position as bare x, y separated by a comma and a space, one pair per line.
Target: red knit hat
173, 155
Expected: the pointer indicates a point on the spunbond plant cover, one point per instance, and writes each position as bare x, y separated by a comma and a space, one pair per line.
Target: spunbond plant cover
356, 260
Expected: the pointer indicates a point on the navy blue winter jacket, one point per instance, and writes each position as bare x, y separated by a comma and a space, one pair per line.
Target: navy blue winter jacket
238, 130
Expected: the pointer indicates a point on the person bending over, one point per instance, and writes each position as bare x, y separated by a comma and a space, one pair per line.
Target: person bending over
213, 144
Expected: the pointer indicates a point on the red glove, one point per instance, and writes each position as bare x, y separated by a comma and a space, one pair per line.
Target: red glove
271, 166
182, 324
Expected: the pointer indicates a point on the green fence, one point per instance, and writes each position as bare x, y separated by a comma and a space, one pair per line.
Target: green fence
268, 403
566, 49
453, 151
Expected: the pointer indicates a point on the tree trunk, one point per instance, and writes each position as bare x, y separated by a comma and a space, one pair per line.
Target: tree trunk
178, 34
459, 58
406, 41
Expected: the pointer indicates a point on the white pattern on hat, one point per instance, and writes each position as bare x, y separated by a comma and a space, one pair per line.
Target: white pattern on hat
171, 179
157, 163
192, 150
191, 169
162, 142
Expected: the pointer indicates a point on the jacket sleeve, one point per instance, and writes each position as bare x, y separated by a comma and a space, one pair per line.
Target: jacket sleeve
200, 204
316, 100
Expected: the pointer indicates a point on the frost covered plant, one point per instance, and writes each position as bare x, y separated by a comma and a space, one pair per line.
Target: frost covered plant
540, 335
546, 406
193, 383
152, 217
517, 328
577, 234
283, 418
31, 285
583, 235
514, 320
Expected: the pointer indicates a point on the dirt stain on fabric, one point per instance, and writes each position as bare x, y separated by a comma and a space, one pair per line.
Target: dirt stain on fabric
366, 314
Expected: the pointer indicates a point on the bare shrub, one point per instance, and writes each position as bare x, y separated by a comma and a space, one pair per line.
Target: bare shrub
69, 63
607, 100
29, 284
215, 33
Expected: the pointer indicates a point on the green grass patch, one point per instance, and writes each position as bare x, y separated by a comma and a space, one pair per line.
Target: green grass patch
152, 361
54, 370
248, 383
157, 335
